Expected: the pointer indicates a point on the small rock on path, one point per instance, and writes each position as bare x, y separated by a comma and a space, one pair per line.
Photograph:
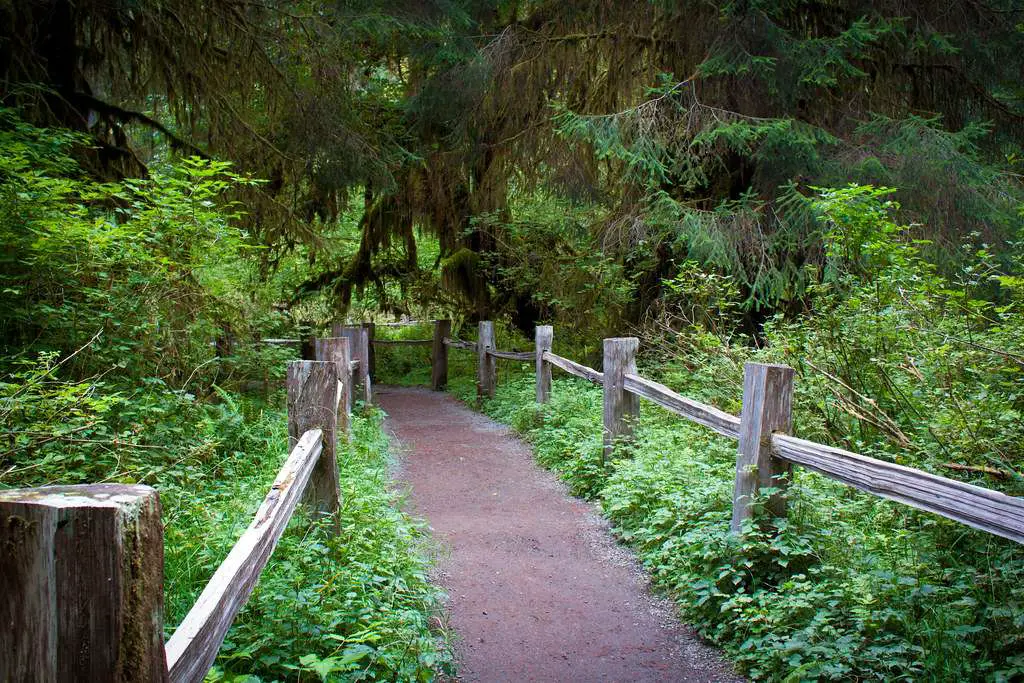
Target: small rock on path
538, 589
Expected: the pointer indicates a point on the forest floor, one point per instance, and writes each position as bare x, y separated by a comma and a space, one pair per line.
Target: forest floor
538, 588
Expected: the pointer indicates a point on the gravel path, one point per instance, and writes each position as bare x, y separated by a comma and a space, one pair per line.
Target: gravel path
539, 591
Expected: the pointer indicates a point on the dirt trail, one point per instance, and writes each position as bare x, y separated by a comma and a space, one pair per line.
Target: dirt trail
538, 589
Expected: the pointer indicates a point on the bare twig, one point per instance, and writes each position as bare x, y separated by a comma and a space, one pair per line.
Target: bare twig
981, 469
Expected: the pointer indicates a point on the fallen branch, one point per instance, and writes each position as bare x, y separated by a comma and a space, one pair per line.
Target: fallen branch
980, 469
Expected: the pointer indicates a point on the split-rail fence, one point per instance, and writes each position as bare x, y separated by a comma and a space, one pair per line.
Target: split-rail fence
766, 450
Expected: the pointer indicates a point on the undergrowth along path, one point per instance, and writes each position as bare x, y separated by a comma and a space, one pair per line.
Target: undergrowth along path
538, 589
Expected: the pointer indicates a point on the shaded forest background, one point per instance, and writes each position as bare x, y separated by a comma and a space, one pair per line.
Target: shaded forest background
495, 133
834, 185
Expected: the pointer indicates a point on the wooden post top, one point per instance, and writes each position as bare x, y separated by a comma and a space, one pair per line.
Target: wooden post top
774, 366
82, 573
81, 496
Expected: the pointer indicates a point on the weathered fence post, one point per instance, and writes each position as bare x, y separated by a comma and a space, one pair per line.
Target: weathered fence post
439, 355
313, 404
620, 406
767, 408
371, 354
486, 364
224, 344
82, 580
338, 351
307, 341
359, 346
542, 342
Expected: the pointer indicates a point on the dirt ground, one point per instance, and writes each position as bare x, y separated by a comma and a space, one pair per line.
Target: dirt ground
539, 590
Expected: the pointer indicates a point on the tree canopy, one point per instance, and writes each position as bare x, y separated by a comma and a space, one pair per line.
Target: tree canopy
697, 128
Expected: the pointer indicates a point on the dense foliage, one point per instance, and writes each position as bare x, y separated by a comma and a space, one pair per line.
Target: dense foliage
112, 294
832, 185
679, 130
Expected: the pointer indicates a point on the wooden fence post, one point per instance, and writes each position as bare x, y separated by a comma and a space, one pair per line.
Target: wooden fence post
364, 364
371, 354
338, 351
313, 404
359, 345
82, 579
439, 355
767, 408
542, 342
307, 341
620, 406
224, 344
486, 364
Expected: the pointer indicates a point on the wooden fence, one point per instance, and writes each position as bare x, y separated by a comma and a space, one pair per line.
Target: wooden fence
81, 567
766, 451
81, 570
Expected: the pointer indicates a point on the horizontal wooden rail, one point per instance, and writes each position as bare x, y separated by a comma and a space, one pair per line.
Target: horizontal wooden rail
403, 342
280, 341
709, 416
459, 344
511, 355
574, 368
981, 508
193, 648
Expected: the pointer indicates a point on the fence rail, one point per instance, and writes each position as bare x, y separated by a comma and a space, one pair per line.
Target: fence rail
709, 416
511, 355
403, 342
193, 647
574, 368
981, 508
460, 344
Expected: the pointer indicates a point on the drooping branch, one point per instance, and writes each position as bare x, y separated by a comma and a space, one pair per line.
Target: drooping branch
84, 101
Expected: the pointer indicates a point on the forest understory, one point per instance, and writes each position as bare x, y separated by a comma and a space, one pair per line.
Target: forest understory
832, 186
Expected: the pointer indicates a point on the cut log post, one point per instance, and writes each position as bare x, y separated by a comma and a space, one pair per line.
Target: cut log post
767, 409
620, 407
486, 365
81, 575
542, 342
439, 355
313, 404
359, 345
364, 366
338, 351
371, 354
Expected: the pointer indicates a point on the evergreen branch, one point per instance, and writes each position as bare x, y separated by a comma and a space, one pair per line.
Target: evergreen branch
252, 131
647, 103
130, 116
